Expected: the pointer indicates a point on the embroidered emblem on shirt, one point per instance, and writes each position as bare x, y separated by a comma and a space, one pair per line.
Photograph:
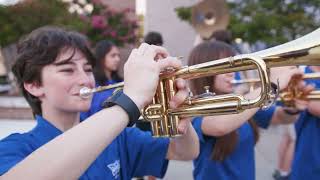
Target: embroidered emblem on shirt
115, 168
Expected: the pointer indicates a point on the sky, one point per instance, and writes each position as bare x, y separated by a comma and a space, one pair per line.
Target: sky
8, 2
141, 7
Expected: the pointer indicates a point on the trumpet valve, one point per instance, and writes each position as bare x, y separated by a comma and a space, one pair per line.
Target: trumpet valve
152, 113
207, 92
207, 89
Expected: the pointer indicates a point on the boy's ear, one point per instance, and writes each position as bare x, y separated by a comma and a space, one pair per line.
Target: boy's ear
34, 88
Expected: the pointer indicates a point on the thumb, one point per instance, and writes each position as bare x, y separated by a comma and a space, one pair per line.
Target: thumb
169, 62
183, 125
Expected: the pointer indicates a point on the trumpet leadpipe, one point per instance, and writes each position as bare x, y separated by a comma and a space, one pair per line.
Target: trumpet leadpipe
86, 92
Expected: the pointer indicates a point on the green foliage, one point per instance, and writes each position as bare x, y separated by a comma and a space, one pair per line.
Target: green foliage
273, 21
270, 21
102, 23
22, 18
184, 13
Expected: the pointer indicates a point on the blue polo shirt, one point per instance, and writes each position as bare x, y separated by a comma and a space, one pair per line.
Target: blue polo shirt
97, 100
240, 164
133, 153
306, 162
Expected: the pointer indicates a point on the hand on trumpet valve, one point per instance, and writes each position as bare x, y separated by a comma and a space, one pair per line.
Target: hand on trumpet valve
301, 103
141, 72
178, 99
295, 97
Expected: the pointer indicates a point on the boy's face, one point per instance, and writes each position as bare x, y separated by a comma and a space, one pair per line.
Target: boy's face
62, 81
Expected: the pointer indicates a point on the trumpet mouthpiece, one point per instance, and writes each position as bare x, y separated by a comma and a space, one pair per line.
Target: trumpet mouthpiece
85, 92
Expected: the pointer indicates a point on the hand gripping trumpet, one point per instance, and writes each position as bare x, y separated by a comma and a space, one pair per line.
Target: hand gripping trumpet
164, 121
291, 92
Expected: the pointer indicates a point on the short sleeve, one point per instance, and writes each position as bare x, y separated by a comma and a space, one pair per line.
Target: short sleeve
146, 154
197, 122
12, 151
263, 117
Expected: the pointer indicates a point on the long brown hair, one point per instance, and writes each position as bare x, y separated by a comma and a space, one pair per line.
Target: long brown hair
209, 51
102, 48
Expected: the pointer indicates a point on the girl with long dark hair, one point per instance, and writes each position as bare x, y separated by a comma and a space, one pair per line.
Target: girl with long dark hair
227, 142
107, 61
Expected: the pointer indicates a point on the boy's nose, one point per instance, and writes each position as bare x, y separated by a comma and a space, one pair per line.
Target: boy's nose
85, 79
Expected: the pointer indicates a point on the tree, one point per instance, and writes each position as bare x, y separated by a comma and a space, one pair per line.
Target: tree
273, 21
91, 17
22, 18
115, 25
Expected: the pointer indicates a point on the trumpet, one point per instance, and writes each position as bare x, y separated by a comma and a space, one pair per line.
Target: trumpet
164, 120
256, 80
290, 93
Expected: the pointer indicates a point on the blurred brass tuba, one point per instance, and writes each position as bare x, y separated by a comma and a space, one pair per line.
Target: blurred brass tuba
209, 16
164, 120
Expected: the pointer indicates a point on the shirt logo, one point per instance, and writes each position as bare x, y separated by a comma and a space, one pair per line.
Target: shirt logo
115, 168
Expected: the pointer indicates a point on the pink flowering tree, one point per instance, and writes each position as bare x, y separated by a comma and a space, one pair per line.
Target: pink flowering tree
91, 17
115, 25
105, 22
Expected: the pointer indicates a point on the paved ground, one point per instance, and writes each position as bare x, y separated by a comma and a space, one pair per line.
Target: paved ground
265, 151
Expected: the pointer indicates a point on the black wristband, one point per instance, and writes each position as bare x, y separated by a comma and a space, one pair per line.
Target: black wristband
125, 102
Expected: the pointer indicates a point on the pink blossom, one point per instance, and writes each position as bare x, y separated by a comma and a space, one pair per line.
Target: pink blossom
98, 22
113, 34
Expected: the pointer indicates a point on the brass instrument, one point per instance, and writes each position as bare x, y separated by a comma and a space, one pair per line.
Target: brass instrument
303, 51
209, 16
290, 93
164, 121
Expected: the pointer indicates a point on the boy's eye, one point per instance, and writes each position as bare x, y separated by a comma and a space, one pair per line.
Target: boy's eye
88, 69
66, 70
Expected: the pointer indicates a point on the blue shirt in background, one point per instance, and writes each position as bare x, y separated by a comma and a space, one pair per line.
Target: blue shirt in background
133, 153
240, 164
306, 162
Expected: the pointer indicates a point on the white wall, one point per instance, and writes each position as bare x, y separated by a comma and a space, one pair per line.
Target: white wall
178, 35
